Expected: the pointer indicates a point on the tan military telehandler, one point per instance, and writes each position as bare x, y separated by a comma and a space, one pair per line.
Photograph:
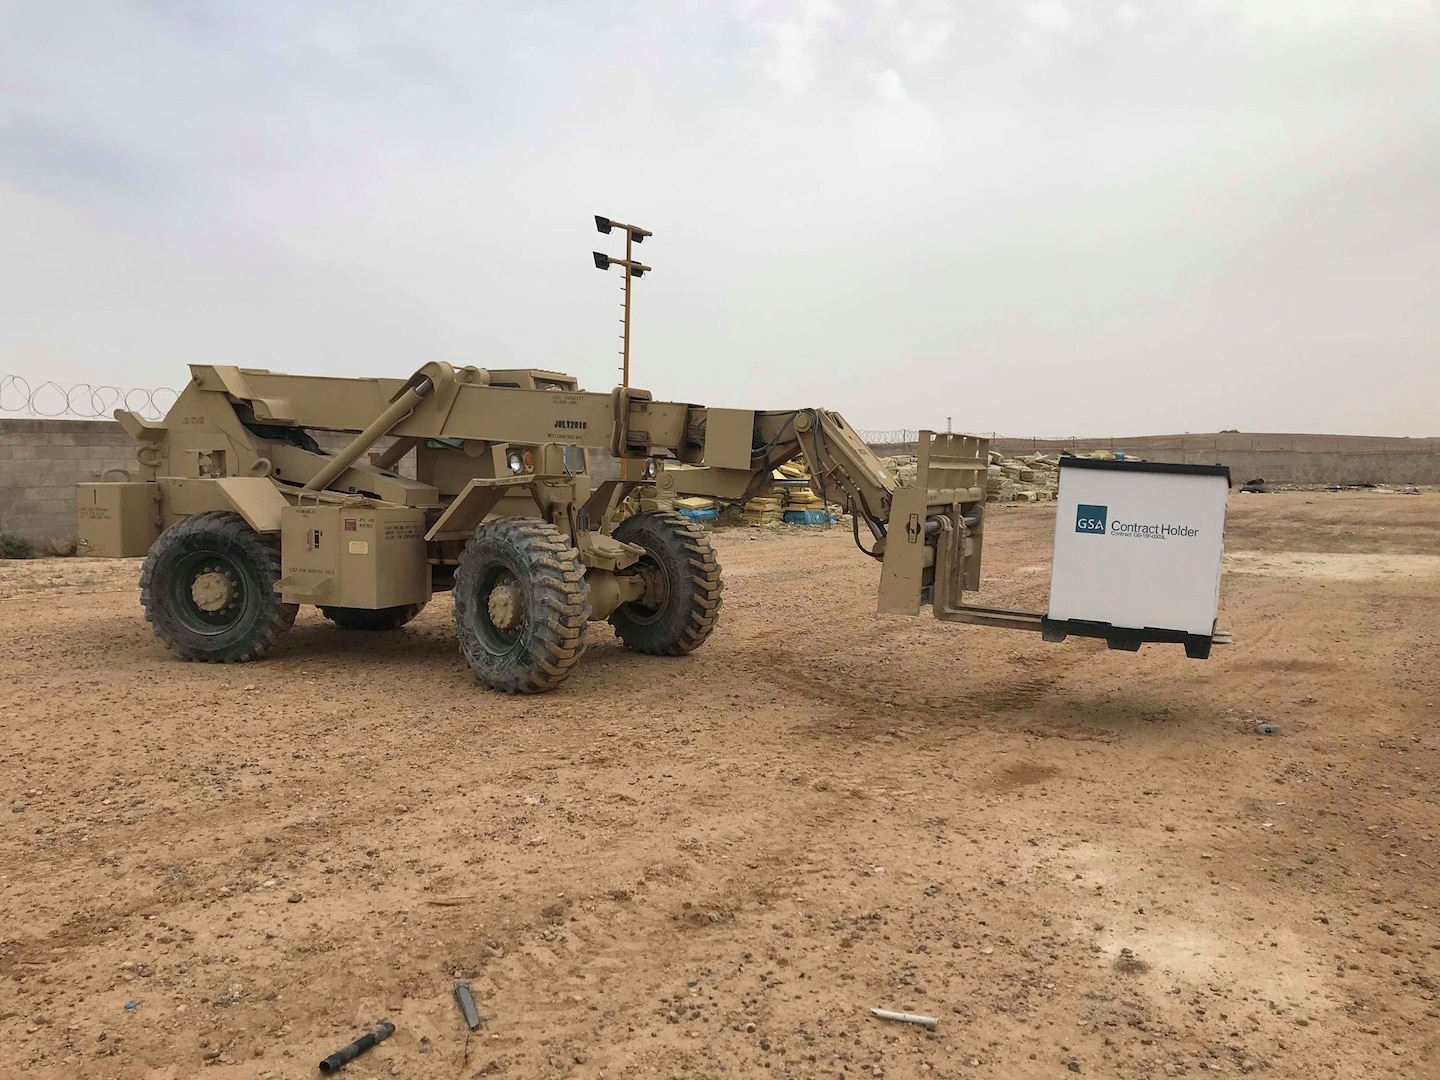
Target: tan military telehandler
242, 515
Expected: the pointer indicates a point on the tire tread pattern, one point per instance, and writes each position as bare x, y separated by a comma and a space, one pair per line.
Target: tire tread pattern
557, 601
228, 530
673, 539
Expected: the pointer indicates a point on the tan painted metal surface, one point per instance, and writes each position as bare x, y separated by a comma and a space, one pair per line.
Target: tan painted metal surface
354, 535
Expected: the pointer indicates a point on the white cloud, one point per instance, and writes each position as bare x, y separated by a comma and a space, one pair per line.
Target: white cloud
1049, 17
1311, 15
919, 32
793, 38
1128, 14
895, 129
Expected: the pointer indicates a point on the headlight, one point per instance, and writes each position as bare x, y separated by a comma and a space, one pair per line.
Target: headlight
519, 462
649, 472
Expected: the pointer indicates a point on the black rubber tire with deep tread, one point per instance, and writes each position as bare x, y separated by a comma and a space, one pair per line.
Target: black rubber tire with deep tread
547, 571
680, 551
224, 537
385, 618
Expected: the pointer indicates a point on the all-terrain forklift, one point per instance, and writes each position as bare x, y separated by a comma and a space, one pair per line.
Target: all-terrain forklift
242, 514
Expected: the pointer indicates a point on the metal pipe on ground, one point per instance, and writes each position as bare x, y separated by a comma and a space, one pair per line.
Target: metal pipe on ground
906, 1018
337, 1061
466, 1001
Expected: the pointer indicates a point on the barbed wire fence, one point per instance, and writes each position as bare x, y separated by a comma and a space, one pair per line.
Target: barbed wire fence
905, 436
901, 435
50, 400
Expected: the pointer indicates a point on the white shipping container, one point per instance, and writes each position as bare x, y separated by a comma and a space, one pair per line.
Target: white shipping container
1138, 546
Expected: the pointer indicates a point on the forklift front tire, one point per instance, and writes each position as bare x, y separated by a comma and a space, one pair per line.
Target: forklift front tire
521, 605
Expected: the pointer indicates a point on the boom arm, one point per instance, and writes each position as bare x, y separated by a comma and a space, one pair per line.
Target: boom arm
926, 534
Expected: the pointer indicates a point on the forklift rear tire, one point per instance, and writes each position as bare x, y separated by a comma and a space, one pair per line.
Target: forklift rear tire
682, 605
208, 589
521, 605
385, 618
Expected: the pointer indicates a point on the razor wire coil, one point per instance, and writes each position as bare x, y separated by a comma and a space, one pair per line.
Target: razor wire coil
50, 400
887, 437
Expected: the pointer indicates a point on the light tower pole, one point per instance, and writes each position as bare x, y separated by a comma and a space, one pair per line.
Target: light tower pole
633, 235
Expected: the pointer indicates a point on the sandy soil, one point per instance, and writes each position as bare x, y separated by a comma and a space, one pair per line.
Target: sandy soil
1080, 861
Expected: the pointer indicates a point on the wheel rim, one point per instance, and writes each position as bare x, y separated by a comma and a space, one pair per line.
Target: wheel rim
208, 592
651, 606
500, 611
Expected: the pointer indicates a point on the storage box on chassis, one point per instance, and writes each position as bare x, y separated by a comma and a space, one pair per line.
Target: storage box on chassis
356, 555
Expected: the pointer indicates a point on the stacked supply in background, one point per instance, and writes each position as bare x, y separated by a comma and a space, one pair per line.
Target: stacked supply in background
697, 508
1027, 479
766, 510
802, 506
789, 501
1031, 478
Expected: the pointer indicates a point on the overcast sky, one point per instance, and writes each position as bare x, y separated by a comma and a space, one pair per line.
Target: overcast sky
1057, 217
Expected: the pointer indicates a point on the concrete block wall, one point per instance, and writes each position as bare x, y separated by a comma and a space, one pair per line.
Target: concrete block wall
41, 461
1307, 467
1284, 459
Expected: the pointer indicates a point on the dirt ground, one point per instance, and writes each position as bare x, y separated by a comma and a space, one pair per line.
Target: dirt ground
1080, 861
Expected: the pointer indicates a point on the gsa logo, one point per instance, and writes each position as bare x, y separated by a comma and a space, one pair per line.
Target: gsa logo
1090, 519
